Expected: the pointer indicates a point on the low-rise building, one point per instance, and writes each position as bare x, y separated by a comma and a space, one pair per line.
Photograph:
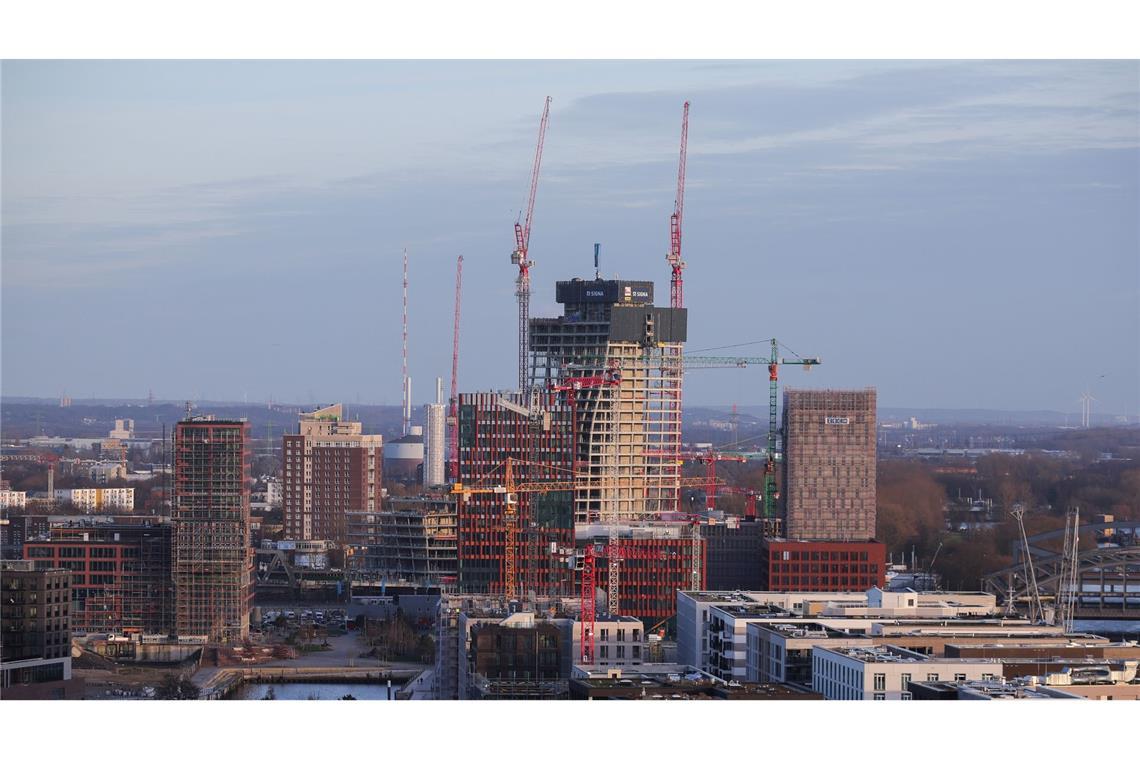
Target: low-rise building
95, 500
782, 652
619, 642
984, 690
669, 681
17, 499
885, 672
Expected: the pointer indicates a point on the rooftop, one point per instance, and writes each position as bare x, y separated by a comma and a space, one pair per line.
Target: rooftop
799, 630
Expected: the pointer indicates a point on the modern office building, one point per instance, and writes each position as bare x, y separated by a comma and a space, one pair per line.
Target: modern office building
330, 468
829, 465
212, 553
885, 672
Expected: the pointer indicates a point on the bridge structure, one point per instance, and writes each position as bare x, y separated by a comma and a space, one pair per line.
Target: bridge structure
1109, 574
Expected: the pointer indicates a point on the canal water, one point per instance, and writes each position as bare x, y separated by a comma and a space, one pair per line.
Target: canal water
316, 691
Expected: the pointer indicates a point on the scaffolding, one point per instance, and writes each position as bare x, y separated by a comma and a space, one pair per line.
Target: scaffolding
829, 464
212, 554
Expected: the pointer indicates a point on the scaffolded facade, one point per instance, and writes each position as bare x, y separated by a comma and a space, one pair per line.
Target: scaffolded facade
212, 554
829, 464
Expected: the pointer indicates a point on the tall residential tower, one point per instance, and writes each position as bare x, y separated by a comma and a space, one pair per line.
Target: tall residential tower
330, 468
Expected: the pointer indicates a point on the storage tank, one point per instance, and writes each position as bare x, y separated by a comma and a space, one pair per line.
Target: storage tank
404, 457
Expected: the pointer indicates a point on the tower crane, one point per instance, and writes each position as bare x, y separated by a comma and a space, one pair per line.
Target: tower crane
773, 362
453, 407
521, 255
510, 488
676, 286
770, 492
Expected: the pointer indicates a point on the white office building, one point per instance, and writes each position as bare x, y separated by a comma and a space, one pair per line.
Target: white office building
883, 672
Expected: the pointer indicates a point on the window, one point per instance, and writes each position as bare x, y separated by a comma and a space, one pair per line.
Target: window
959, 676
931, 677
880, 681
603, 651
880, 696
906, 695
904, 680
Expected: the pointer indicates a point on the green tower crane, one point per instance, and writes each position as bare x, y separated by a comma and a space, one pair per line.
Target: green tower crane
771, 495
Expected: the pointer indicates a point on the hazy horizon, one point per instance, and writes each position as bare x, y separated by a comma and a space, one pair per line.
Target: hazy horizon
960, 235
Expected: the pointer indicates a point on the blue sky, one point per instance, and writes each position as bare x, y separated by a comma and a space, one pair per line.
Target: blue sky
958, 234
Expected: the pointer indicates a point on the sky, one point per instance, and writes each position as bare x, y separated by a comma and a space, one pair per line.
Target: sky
956, 234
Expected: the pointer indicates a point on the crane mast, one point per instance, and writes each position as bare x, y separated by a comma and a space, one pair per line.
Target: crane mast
676, 288
521, 255
453, 408
406, 411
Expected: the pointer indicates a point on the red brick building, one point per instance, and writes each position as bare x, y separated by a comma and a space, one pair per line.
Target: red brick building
330, 469
121, 574
823, 565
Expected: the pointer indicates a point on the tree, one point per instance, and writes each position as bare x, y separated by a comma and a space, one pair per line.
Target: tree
910, 508
177, 687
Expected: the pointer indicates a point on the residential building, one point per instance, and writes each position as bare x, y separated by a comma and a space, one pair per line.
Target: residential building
435, 439
829, 465
619, 642
95, 500
212, 553
17, 499
782, 652
330, 468
35, 619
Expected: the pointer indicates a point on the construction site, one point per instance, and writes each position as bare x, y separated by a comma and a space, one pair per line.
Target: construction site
212, 554
572, 483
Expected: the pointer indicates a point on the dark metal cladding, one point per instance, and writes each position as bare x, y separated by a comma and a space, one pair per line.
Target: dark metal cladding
604, 291
649, 324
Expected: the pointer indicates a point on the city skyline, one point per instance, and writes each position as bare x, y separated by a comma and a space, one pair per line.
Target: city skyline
928, 210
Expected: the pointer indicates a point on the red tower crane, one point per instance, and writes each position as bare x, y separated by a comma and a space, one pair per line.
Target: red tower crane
676, 290
453, 411
521, 256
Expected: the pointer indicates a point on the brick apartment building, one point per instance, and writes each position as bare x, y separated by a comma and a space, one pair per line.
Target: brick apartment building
330, 469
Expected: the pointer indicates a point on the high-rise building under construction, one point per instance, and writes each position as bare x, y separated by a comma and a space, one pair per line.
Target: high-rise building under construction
619, 359
212, 554
829, 464
598, 432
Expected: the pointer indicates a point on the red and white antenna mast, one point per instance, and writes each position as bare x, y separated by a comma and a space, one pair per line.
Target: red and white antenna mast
407, 397
521, 256
676, 290
453, 411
